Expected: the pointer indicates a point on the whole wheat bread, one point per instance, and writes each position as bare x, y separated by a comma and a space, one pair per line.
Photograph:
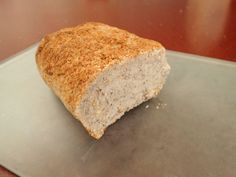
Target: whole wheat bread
100, 72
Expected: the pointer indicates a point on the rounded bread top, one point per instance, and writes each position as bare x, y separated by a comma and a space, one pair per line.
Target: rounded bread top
71, 58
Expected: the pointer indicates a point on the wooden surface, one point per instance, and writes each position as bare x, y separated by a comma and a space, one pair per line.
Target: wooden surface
203, 27
6, 173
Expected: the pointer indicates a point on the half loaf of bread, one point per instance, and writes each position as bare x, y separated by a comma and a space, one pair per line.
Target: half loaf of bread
100, 72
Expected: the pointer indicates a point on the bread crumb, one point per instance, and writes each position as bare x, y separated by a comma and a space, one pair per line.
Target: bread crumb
161, 105
147, 106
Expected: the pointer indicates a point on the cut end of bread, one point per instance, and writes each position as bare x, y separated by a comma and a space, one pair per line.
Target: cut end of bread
121, 88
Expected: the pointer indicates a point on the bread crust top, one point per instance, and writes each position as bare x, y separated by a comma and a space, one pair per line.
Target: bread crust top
71, 58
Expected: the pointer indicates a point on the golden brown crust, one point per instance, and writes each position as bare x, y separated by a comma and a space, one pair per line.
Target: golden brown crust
71, 58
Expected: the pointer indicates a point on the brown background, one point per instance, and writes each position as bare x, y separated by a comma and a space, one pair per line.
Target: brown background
203, 27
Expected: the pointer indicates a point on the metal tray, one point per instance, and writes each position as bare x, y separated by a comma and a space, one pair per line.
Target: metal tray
188, 131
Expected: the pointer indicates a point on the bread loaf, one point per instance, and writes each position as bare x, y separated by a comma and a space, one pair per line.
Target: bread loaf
100, 72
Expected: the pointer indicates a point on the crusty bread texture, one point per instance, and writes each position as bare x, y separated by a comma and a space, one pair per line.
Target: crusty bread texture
100, 72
